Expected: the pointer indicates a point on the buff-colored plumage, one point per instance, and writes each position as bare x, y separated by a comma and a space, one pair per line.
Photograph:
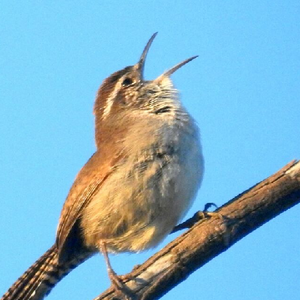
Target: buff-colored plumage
136, 187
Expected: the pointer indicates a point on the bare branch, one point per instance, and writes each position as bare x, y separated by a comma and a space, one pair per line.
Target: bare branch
211, 236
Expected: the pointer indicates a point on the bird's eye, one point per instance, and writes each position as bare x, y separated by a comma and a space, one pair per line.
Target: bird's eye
127, 81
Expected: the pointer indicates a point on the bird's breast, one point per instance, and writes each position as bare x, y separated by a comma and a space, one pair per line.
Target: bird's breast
148, 192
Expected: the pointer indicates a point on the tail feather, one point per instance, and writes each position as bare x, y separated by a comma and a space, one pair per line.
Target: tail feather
42, 276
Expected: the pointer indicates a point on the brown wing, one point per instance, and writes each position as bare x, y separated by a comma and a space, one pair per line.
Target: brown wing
87, 182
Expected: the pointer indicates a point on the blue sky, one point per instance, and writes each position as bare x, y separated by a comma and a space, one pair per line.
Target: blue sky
243, 90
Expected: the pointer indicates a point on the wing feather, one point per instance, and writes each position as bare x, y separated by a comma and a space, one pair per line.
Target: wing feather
87, 183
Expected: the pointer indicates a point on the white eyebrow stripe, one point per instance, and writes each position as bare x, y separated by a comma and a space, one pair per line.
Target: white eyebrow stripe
110, 101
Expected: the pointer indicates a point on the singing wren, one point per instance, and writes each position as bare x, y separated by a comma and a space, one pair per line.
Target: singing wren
135, 188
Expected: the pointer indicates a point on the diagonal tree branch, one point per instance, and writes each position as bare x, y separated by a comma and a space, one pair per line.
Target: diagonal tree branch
211, 236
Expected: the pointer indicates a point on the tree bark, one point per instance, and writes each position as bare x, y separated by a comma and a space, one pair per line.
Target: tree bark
212, 235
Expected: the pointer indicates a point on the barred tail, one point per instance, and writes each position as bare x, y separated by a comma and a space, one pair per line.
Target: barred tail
42, 276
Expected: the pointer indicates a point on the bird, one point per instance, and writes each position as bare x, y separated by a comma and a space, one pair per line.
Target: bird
136, 187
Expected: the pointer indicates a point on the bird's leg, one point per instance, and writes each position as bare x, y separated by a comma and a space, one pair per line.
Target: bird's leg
199, 215
115, 280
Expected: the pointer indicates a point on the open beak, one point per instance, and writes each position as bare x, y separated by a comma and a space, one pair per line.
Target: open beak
141, 63
174, 69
